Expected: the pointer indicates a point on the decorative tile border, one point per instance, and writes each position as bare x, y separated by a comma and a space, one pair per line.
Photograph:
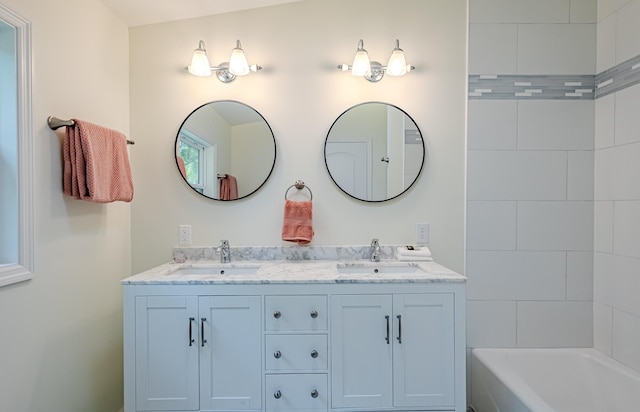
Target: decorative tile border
552, 87
618, 77
509, 87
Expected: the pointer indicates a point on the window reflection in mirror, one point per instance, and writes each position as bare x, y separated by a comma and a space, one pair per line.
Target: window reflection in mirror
16, 149
225, 150
374, 152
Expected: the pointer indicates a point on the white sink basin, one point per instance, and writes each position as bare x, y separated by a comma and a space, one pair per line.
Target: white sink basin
377, 269
217, 270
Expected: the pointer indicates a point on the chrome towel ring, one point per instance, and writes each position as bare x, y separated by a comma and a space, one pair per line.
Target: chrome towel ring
299, 184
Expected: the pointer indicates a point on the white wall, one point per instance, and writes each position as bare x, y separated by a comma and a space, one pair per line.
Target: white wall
61, 332
617, 192
530, 179
300, 93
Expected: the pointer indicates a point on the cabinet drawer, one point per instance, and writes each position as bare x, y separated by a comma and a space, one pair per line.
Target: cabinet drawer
296, 313
297, 392
296, 352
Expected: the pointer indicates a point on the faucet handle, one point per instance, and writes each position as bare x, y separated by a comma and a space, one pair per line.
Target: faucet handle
375, 242
224, 242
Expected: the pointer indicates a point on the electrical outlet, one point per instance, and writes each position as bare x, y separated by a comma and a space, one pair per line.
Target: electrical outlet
422, 233
184, 235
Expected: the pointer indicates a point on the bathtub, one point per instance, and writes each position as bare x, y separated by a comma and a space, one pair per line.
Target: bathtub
551, 380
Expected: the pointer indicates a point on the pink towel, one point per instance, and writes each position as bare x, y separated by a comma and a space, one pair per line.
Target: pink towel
228, 188
183, 171
96, 164
297, 225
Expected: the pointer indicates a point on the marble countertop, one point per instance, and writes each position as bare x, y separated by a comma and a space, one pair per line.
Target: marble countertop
207, 272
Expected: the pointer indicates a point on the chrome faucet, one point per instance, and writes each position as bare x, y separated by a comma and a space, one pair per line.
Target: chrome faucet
225, 252
375, 251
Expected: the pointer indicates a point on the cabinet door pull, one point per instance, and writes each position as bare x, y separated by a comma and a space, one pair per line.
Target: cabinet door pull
399, 328
314, 393
277, 354
387, 338
314, 354
314, 314
277, 394
191, 340
202, 320
277, 314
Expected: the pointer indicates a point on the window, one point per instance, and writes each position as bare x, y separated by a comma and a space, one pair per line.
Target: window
16, 175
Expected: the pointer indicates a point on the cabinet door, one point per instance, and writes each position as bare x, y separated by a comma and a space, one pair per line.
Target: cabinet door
230, 353
423, 355
166, 353
361, 352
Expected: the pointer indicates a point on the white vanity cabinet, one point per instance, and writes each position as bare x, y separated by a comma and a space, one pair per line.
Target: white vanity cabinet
393, 350
322, 342
198, 353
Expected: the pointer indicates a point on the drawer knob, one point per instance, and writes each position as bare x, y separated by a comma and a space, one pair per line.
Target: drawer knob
277, 314
277, 394
314, 393
314, 354
277, 354
314, 314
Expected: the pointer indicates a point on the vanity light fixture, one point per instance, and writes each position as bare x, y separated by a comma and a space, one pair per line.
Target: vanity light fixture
226, 72
373, 70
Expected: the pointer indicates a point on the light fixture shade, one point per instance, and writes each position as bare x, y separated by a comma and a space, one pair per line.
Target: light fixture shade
361, 64
200, 62
397, 65
238, 63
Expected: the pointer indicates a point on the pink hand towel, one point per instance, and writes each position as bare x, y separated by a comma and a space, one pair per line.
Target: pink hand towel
297, 226
228, 188
96, 164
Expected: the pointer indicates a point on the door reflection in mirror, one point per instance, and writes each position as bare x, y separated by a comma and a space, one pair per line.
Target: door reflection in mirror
374, 152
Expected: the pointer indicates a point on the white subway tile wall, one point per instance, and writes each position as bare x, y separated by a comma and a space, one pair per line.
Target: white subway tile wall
580, 175
626, 335
552, 180
530, 173
519, 11
580, 276
554, 324
492, 125
583, 11
606, 44
628, 32
626, 118
605, 121
553, 175
555, 125
556, 48
603, 324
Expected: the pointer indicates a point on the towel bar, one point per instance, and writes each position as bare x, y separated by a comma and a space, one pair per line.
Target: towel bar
55, 123
299, 184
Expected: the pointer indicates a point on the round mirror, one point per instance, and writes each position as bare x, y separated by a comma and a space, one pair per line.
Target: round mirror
225, 150
374, 152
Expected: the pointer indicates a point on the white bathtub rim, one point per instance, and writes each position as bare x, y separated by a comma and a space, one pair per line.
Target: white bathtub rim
520, 388
509, 378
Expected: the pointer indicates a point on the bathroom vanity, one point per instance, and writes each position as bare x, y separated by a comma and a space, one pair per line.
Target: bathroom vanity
320, 335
